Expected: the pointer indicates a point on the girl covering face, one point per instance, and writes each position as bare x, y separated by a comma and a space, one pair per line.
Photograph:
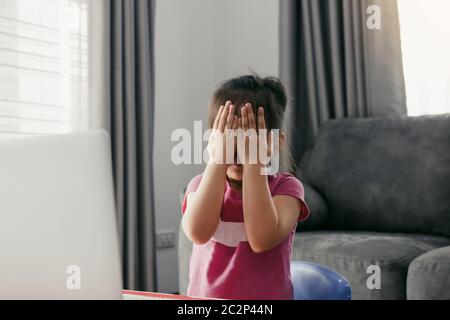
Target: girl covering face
243, 222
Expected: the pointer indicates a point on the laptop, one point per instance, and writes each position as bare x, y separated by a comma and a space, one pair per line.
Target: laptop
58, 230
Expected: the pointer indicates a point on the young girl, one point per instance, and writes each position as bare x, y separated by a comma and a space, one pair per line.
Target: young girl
242, 223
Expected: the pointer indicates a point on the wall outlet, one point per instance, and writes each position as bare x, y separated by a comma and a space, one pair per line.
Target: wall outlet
165, 239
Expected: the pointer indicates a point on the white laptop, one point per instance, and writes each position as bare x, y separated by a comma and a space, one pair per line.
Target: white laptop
58, 231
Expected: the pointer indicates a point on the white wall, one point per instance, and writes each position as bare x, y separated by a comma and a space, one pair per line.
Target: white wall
200, 43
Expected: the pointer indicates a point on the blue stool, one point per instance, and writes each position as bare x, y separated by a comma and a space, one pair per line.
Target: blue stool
315, 282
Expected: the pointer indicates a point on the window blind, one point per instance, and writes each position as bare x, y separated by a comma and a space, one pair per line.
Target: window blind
43, 66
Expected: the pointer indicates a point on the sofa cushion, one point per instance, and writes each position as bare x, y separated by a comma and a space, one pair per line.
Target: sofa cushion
429, 276
352, 253
387, 175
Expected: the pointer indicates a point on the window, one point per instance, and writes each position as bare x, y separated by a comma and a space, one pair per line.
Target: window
425, 32
43, 66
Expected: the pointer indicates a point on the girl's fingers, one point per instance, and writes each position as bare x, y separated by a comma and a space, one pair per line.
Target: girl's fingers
261, 120
269, 143
235, 122
217, 119
244, 118
230, 119
224, 117
251, 117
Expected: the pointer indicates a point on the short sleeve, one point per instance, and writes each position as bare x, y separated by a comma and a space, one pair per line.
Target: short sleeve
191, 187
288, 185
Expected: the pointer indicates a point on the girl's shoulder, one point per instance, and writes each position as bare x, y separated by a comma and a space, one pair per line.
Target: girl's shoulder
191, 187
193, 184
289, 185
285, 180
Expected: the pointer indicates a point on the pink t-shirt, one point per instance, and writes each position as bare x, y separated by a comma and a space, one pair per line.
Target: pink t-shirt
226, 267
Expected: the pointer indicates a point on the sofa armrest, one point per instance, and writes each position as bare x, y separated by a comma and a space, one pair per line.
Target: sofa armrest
318, 210
429, 276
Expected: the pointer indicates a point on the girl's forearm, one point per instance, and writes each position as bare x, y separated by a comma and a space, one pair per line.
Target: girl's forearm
203, 211
260, 215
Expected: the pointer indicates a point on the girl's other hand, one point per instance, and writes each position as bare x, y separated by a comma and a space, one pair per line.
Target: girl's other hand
255, 149
223, 133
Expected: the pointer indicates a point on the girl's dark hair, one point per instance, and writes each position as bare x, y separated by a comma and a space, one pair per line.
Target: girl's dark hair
267, 92
260, 92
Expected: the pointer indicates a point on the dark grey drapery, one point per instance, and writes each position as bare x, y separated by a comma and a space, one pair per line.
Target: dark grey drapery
131, 125
335, 67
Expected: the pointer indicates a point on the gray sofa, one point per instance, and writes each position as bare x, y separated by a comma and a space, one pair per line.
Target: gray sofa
379, 194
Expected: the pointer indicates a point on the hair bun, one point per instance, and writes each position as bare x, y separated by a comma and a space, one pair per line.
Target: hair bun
278, 89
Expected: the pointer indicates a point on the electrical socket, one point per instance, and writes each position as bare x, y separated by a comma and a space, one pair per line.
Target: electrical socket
165, 239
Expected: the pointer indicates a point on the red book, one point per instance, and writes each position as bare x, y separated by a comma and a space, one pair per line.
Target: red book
139, 295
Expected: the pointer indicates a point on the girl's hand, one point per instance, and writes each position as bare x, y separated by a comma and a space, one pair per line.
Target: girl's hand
256, 147
223, 133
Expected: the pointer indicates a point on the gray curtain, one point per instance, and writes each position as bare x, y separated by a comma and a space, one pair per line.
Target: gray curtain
131, 126
336, 67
